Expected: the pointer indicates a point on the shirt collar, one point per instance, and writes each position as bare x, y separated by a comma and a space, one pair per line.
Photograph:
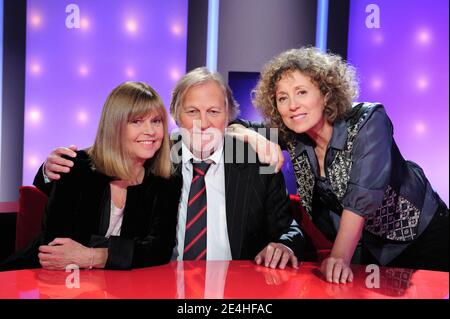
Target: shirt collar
338, 138
187, 155
303, 142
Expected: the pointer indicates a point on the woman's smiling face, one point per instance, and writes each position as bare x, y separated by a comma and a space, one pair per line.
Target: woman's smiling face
300, 102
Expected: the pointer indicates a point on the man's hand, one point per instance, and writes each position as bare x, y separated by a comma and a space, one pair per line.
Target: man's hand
275, 254
336, 270
56, 164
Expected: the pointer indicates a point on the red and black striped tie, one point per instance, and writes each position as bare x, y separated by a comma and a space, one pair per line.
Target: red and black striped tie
195, 234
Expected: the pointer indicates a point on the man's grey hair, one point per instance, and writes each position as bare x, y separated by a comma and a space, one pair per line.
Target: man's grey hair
200, 76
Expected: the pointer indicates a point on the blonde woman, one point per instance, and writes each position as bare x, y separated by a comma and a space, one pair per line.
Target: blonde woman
117, 208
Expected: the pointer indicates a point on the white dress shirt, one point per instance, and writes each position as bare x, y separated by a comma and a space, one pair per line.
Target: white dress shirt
217, 242
115, 221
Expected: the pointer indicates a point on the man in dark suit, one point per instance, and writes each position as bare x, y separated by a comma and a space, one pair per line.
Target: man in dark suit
230, 207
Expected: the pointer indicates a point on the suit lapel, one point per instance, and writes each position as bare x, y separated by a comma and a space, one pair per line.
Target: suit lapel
236, 184
231, 190
139, 202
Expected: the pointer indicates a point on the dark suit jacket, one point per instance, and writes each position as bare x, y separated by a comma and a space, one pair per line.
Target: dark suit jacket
257, 205
79, 208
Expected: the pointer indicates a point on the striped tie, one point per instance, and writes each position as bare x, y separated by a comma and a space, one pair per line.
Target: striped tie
195, 234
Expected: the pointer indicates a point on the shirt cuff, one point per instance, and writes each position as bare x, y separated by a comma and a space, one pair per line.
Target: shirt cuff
288, 248
46, 179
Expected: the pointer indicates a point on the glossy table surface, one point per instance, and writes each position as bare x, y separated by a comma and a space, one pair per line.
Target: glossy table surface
222, 279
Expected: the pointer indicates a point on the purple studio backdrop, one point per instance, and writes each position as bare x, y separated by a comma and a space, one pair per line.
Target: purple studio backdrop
401, 59
73, 65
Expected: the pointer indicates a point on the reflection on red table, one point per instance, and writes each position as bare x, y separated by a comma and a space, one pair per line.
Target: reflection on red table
222, 279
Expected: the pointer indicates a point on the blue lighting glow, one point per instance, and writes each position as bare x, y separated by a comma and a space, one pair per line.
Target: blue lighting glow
212, 37
322, 25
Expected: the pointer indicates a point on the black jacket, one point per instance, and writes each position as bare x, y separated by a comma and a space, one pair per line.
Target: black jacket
257, 204
79, 208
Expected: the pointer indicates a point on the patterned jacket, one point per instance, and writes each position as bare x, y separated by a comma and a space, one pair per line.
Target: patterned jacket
368, 176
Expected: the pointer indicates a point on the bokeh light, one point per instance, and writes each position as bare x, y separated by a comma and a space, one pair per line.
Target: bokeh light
69, 76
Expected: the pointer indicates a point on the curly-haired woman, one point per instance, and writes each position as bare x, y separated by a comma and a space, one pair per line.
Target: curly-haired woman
376, 206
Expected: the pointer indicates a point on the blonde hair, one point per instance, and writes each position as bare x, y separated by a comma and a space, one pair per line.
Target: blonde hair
334, 77
196, 77
128, 101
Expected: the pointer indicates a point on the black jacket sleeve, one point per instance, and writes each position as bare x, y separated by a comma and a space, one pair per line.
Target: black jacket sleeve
40, 183
281, 224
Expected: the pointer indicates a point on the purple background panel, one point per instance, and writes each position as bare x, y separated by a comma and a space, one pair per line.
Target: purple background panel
404, 65
70, 71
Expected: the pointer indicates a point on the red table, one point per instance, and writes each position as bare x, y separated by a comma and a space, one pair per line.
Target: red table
221, 279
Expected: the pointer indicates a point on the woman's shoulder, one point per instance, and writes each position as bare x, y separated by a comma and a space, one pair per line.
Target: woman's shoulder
82, 165
362, 110
163, 183
173, 181
154, 186
82, 160
367, 112
82, 176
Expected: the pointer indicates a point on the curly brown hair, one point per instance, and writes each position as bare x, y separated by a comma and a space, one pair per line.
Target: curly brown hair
328, 71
